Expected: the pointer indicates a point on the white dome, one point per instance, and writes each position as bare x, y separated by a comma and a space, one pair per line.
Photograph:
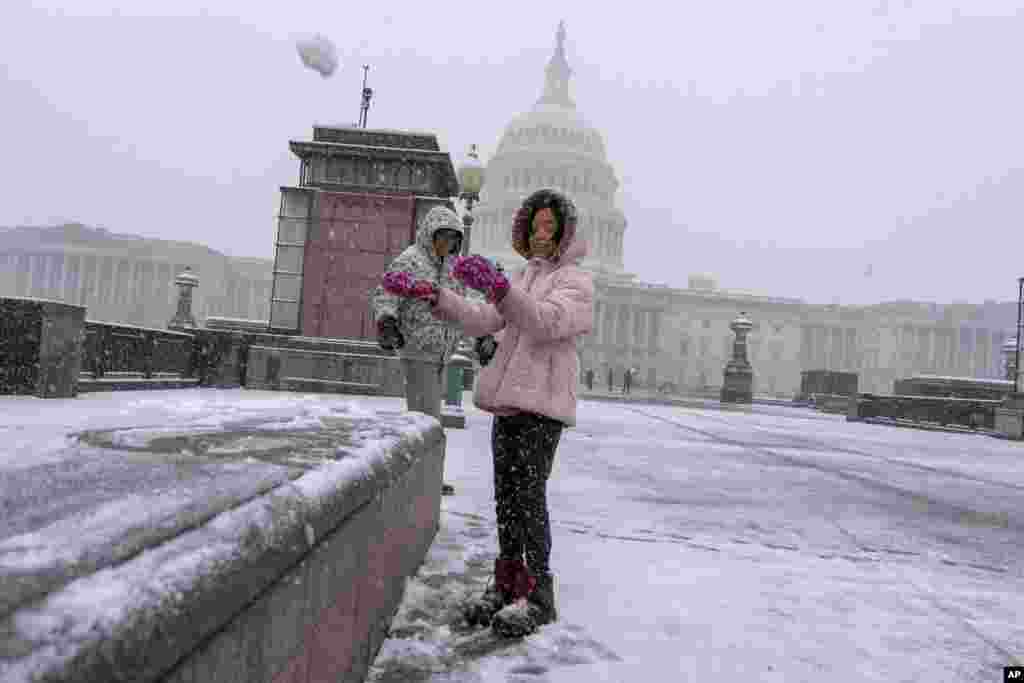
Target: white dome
553, 145
554, 123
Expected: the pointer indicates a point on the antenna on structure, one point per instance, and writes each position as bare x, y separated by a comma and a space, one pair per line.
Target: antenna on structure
367, 95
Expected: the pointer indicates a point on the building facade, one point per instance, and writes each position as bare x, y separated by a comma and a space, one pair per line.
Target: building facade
679, 338
126, 278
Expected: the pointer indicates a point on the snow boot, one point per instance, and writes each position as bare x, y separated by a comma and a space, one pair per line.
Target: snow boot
501, 592
530, 612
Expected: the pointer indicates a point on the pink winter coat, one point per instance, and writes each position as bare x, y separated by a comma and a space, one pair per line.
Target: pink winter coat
549, 305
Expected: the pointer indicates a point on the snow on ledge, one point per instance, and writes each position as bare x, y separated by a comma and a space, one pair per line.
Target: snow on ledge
157, 590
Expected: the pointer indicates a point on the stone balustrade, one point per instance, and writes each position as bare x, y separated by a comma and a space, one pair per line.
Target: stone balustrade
924, 410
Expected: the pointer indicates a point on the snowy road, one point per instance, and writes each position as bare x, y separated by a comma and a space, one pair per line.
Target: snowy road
773, 543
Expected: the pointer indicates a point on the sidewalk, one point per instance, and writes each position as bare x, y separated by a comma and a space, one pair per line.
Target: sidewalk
647, 396
641, 602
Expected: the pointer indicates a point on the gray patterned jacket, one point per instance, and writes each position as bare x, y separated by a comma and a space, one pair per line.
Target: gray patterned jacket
426, 337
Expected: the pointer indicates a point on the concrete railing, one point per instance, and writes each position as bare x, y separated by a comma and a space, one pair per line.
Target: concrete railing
268, 554
320, 365
39, 347
939, 411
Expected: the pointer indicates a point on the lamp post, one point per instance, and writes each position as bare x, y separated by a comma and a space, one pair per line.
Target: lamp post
1016, 353
460, 366
183, 318
471, 180
1009, 349
738, 384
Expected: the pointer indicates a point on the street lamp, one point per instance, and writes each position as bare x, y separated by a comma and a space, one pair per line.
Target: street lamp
1016, 353
471, 180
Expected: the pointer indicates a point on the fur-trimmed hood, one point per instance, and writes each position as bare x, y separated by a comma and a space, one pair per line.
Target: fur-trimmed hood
571, 249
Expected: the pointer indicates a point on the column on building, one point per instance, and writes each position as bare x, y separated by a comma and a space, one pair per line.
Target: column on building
821, 346
949, 351
29, 276
90, 269
107, 278
34, 275
138, 283
8, 274
252, 304
620, 325
806, 344
981, 353
72, 278
53, 272
113, 294
46, 267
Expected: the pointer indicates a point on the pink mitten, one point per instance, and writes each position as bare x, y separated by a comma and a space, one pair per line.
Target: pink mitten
405, 285
478, 273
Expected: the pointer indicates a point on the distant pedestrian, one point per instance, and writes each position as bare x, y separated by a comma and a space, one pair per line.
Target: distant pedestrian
627, 381
590, 380
611, 383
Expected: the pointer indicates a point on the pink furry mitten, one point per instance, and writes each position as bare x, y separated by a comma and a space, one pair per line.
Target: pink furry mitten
478, 273
405, 285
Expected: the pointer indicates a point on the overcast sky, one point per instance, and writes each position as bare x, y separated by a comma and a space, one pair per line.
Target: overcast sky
835, 151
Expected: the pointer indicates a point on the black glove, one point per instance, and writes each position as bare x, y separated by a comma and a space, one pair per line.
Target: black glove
485, 348
388, 335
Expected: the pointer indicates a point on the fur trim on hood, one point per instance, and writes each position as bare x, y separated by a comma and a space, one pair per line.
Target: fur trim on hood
571, 249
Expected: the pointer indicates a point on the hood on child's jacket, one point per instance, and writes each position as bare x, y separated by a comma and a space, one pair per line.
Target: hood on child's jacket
438, 218
426, 337
571, 248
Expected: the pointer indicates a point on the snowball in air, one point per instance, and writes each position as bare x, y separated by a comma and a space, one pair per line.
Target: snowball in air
318, 53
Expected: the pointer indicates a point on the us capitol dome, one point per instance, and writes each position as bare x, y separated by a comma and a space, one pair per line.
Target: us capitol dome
553, 145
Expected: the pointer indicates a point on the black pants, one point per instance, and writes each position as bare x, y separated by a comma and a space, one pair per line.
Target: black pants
524, 449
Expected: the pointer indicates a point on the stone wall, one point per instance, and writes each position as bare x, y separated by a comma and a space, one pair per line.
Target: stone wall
281, 557
47, 349
326, 618
40, 344
322, 365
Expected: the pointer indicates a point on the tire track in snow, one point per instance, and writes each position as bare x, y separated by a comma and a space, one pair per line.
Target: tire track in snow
957, 511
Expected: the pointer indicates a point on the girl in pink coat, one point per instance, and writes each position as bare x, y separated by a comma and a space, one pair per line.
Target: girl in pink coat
536, 317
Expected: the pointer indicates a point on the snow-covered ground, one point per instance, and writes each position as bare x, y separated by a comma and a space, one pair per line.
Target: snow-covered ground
699, 545
768, 544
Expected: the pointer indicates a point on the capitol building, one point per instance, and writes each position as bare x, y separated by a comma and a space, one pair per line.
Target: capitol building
676, 338
129, 278
679, 338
